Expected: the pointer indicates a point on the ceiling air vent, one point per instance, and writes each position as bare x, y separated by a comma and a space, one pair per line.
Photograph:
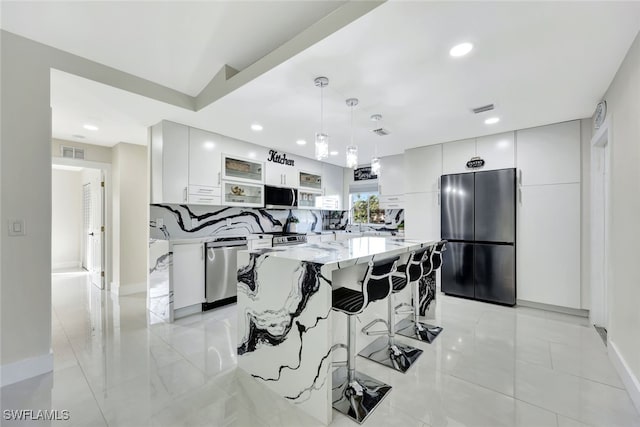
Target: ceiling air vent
381, 131
482, 109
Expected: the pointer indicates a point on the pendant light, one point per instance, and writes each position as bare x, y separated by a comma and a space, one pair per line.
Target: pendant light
375, 161
322, 139
352, 150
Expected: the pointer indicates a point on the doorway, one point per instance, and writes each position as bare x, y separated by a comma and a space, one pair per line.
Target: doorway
600, 226
79, 219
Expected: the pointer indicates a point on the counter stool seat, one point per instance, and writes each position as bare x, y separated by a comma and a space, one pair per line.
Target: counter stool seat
412, 327
386, 350
355, 394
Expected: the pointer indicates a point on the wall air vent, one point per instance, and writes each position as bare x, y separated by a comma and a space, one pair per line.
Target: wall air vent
381, 131
72, 152
482, 109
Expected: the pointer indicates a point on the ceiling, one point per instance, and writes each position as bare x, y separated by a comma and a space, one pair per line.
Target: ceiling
537, 62
178, 44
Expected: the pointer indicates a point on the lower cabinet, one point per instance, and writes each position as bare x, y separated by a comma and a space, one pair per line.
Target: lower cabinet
548, 250
188, 275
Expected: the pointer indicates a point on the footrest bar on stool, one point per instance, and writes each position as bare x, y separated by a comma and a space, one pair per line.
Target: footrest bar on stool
357, 399
365, 329
396, 356
420, 331
404, 308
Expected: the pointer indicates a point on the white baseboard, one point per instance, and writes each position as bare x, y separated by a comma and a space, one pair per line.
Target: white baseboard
629, 380
557, 308
65, 265
133, 288
24, 369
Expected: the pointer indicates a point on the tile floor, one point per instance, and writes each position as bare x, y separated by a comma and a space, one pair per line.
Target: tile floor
492, 366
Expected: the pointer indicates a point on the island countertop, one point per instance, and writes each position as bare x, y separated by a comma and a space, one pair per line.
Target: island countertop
333, 252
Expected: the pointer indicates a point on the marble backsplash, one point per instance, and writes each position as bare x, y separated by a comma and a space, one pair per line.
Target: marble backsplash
169, 221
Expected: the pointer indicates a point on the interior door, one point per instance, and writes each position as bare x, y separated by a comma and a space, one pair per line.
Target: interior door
86, 225
96, 233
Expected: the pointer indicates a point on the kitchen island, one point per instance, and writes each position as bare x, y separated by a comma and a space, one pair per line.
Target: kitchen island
285, 323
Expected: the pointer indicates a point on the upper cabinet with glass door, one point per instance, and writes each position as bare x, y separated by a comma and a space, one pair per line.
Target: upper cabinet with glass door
236, 168
311, 181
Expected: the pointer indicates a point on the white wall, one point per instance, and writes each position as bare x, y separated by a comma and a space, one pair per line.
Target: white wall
623, 102
25, 193
66, 219
130, 218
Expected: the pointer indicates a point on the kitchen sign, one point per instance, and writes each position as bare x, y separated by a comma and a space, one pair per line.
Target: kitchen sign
475, 163
363, 174
275, 157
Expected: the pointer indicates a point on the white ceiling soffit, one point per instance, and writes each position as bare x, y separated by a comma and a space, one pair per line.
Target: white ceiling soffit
178, 44
538, 63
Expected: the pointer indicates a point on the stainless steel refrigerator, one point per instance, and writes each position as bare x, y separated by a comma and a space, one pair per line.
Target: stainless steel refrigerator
478, 219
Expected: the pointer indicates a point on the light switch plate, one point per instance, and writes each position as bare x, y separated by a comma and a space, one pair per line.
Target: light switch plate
17, 227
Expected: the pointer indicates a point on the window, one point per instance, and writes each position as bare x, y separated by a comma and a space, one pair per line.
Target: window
365, 208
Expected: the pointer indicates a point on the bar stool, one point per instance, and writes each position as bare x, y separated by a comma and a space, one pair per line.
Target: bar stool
412, 327
354, 393
386, 350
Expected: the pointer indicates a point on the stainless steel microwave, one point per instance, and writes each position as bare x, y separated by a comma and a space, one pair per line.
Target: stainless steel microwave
280, 197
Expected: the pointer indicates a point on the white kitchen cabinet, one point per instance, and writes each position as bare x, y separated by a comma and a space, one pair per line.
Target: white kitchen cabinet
205, 150
188, 275
549, 154
498, 151
236, 168
242, 194
548, 244
391, 179
169, 162
422, 216
455, 155
422, 168
310, 181
282, 175
333, 185
392, 202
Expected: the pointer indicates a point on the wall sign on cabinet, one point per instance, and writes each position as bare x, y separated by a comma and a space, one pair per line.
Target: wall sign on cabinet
475, 163
275, 157
363, 174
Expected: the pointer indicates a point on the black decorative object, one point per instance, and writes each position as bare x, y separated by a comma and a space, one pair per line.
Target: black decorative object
363, 174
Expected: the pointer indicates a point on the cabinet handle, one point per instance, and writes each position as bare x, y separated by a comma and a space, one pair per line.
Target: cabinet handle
184, 194
438, 183
393, 198
285, 179
202, 253
520, 176
520, 196
219, 178
438, 198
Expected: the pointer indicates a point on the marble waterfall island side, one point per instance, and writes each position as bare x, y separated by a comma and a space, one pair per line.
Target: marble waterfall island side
285, 317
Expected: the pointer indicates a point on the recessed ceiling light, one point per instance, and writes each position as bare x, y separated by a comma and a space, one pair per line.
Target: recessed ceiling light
334, 153
89, 126
492, 120
460, 49
301, 142
256, 127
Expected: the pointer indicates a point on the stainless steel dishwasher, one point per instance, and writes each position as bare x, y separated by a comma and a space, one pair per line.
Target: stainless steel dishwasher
221, 270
